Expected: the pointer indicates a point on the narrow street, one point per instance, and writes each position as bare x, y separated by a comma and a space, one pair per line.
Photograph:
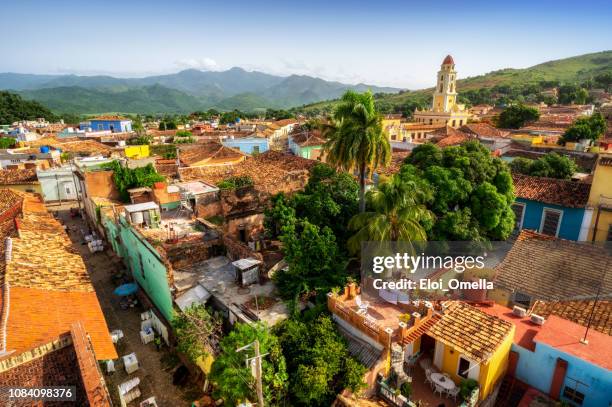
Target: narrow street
155, 367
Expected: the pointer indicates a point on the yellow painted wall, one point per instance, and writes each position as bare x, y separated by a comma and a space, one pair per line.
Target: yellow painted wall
496, 368
490, 372
602, 185
137, 151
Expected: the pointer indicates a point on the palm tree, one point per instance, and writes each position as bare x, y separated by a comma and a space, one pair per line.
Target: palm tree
397, 212
356, 140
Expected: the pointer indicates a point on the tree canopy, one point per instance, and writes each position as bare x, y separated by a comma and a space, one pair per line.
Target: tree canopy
356, 140
197, 332
14, 108
551, 165
317, 357
585, 128
234, 381
515, 116
127, 178
472, 191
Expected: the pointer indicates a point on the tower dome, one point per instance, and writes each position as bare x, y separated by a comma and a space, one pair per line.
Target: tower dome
448, 60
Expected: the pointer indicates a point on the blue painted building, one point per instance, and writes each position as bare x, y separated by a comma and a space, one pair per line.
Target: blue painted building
116, 124
249, 145
552, 359
552, 207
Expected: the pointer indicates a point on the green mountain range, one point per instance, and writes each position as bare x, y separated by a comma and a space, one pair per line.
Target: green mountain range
183, 92
191, 90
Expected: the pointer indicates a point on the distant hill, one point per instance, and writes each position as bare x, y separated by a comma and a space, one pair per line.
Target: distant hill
182, 92
145, 99
569, 70
13, 108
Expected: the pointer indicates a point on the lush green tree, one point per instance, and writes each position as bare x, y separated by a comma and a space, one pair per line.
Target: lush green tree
230, 117
317, 356
585, 128
234, 382
278, 214
515, 116
140, 140
126, 178
137, 125
330, 198
7, 142
551, 165
396, 212
183, 133
314, 260
235, 182
472, 191
356, 140
197, 332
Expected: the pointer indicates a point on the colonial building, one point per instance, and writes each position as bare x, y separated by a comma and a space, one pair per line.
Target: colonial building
444, 109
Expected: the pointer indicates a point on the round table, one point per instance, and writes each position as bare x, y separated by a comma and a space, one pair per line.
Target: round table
443, 381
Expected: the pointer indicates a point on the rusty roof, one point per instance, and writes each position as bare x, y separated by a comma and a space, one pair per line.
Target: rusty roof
271, 171
580, 312
18, 176
483, 130
208, 153
571, 194
470, 331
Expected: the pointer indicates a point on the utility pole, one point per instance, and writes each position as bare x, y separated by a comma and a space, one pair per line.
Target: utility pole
258, 373
260, 398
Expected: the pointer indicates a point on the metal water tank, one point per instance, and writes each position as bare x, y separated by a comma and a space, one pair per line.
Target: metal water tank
137, 218
44, 149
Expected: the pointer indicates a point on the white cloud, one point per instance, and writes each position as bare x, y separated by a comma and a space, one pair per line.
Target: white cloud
206, 64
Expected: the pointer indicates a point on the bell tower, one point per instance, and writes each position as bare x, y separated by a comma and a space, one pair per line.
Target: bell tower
445, 95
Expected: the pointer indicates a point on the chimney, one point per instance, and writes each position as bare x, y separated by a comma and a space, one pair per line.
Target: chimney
8, 250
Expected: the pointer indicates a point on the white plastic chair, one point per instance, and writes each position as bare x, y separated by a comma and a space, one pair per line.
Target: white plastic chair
363, 305
428, 377
454, 392
439, 389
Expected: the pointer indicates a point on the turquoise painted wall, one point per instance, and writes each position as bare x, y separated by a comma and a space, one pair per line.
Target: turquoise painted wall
571, 221
537, 368
248, 144
145, 264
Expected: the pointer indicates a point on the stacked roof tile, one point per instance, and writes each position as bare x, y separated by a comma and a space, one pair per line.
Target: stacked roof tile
18, 176
554, 191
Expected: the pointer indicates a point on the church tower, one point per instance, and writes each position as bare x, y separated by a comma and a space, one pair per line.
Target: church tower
445, 95
445, 111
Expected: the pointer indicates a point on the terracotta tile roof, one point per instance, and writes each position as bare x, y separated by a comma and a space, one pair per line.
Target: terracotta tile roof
470, 331
554, 191
10, 199
271, 171
397, 159
308, 139
84, 147
18, 176
109, 117
209, 153
579, 312
48, 284
285, 122
449, 136
551, 269
483, 130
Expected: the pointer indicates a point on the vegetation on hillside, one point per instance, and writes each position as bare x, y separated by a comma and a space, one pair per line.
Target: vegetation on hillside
14, 108
515, 116
571, 76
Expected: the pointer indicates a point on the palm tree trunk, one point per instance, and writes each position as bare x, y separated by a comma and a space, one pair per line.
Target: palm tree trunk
362, 177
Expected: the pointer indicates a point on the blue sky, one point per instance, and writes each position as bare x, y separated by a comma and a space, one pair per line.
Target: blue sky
395, 43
